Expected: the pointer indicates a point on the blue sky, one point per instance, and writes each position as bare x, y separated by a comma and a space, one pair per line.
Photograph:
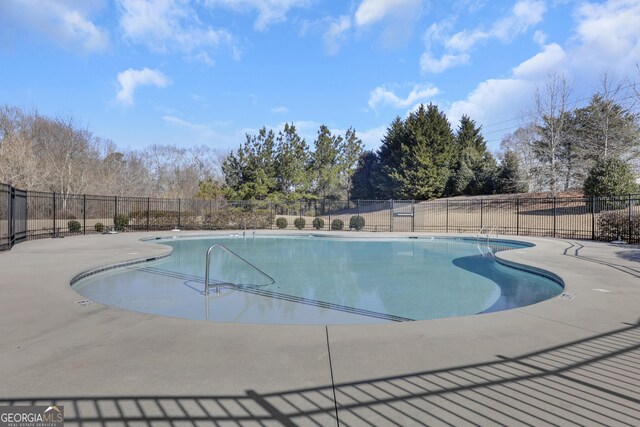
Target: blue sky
208, 71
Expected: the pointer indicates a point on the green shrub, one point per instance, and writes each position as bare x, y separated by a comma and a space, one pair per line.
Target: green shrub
337, 224
120, 222
74, 226
299, 223
610, 177
281, 222
99, 227
318, 223
356, 222
614, 225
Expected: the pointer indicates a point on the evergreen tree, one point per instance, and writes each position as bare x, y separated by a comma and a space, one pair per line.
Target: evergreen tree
363, 180
291, 163
426, 153
324, 166
250, 173
610, 177
509, 178
389, 159
474, 169
350, 152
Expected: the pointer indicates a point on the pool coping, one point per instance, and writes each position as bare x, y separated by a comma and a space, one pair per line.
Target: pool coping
54, 346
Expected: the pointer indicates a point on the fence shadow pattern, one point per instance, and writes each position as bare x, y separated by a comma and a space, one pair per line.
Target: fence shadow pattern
33, 214
594, 381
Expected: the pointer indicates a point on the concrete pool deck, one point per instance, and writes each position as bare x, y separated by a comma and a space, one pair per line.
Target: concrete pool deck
571, 360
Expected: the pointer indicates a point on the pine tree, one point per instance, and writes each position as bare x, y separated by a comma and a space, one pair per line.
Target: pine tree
363, 180
291, 163
473, 172
389, 159
426, 153
324, 166
509, 178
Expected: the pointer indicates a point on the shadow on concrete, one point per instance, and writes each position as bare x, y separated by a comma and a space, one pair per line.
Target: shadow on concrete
594, 381
630, 255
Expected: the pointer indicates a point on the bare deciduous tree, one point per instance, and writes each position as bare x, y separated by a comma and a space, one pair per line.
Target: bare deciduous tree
552, 125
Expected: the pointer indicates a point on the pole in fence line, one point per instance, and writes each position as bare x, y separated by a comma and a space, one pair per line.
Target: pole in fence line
391, 215
517, 217
54, 214
630, 221
555, 214
84, 214
593, 218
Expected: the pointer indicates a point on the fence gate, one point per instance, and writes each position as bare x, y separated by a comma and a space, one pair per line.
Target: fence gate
402, 215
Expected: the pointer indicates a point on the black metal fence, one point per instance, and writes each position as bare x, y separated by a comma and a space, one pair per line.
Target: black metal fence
13, 216
33, 214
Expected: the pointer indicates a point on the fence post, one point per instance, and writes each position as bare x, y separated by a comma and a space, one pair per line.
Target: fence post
593, 218
148, 212
10, 208
554, 216
517, 217
481, 213
54, 215
115, 214
391, 215
413, 216
446, 226
84, 214
179, 207
630, 221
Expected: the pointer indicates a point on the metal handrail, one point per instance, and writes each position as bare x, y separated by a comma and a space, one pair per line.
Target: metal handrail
489, 232
208, 259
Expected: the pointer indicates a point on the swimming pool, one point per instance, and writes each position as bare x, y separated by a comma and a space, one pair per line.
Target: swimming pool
323, 280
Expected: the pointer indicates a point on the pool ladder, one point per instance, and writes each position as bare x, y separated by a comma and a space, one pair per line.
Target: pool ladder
208, 260
489, 232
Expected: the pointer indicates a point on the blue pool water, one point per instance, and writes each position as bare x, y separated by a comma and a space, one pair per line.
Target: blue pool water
322, 280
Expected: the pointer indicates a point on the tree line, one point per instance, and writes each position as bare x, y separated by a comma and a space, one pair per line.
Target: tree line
595, 147
57, 154
556, 148
420, 158
282, 166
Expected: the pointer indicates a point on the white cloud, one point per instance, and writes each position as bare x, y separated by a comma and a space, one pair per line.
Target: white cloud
66, 23
280, 110
398, 17
269, 11
523, 15
384, 96
335, 34
492, 100
540, 37
551, 58
131, 79
606, 38
429, 64
608, 35
171, 26
372, 137
372, 11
